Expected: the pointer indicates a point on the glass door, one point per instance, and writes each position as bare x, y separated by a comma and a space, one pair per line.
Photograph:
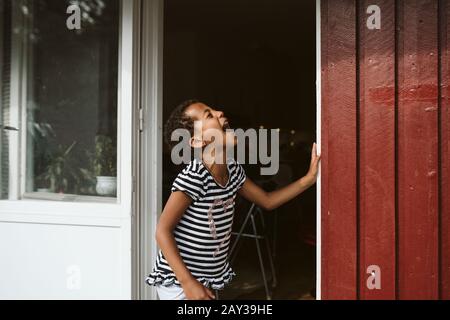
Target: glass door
66, 147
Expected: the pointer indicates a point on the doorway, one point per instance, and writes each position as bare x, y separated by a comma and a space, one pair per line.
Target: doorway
256, 61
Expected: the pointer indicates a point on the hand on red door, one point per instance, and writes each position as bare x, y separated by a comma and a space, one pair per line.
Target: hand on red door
314, 165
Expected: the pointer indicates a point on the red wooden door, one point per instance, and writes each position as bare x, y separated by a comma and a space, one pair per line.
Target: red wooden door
385, 147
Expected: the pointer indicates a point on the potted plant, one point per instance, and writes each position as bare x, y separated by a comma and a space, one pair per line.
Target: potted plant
42, 183
104, 166
42, 133
59, 171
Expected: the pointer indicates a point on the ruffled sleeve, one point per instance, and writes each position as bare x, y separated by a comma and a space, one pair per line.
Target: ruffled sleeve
190, 181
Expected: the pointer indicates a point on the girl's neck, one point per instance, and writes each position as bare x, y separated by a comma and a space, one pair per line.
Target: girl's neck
218, 169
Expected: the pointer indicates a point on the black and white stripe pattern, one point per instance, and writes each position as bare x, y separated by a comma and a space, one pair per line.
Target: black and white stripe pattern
203, 233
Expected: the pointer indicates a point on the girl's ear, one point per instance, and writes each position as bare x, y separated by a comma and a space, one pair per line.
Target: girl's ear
196, 143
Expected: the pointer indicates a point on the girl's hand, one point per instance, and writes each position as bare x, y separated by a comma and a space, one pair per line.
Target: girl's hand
194, 290
314, 166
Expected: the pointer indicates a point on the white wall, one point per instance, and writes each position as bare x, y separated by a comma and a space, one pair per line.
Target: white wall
52, 261
65, 250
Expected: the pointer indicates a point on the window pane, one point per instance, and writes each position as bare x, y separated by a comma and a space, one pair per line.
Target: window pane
69, 81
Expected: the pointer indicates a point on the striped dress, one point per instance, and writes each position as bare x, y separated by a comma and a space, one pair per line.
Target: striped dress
203, 233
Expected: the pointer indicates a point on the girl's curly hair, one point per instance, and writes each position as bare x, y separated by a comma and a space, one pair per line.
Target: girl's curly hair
179, 120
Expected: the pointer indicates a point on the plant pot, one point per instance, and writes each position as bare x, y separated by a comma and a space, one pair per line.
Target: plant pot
106, 186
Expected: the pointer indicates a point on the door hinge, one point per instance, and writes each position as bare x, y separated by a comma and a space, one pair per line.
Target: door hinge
141, 119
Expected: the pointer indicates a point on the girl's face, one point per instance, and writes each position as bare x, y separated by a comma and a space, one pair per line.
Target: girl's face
213, 124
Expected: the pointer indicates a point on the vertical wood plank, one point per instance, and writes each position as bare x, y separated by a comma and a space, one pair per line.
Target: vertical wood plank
445, 149
339, 251
418, 150
377, 150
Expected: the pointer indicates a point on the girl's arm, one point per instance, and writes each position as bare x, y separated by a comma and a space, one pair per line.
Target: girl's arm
173, 211
272, 200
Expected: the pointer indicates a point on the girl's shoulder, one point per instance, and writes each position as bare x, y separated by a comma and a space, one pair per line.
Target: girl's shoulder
195, 166
191, 180
235, 166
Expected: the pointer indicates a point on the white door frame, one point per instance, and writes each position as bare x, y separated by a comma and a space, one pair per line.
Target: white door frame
319, 144
151, 137
151, 157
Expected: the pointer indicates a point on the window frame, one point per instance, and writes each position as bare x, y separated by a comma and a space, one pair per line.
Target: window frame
19, 112
42, 207
1, 82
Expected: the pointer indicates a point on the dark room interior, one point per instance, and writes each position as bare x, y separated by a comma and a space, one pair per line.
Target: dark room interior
256, 61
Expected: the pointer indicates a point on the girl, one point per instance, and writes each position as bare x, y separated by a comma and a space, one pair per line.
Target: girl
194, 229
